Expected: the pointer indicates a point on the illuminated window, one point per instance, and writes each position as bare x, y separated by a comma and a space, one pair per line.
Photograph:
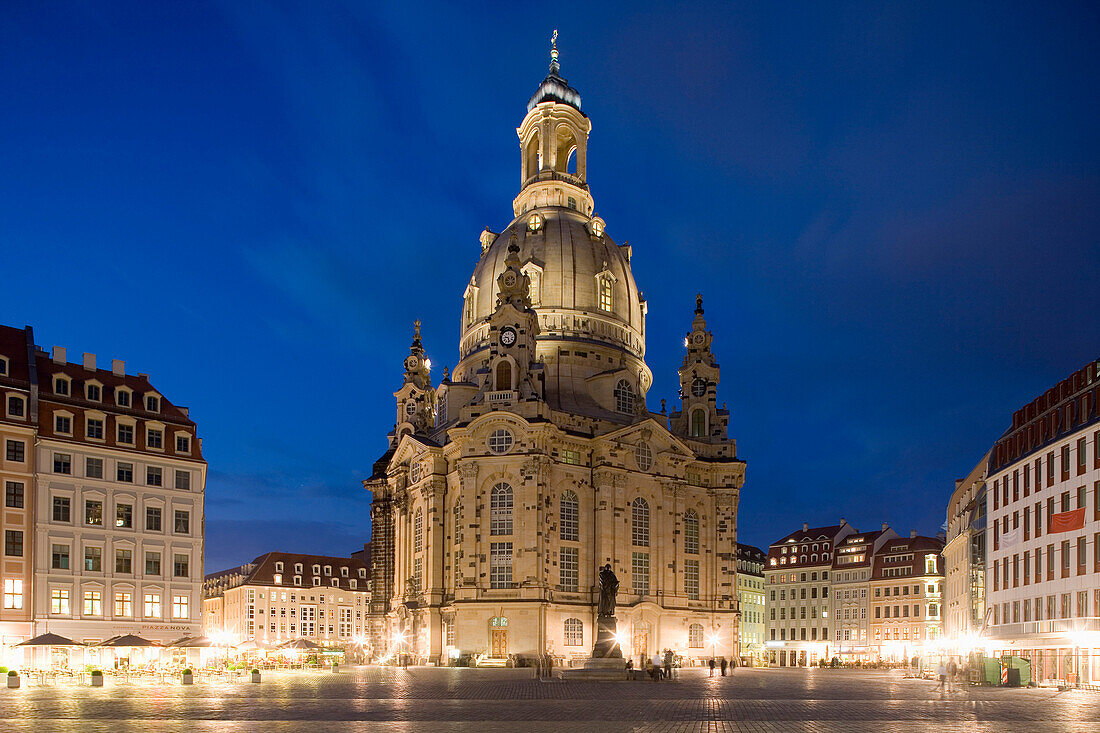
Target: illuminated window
534, 223
607, 294
13, 593
500, 562
59, 601
691, 579
93, 603
180, 607
152, 605
124, 604
639, 571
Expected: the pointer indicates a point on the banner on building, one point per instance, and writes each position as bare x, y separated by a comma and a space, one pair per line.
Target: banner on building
1012, 537
1067, 521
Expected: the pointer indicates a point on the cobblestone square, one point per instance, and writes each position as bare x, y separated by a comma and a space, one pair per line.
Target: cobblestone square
484, 701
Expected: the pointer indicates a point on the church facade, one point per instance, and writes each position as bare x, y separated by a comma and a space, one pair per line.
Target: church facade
510, 483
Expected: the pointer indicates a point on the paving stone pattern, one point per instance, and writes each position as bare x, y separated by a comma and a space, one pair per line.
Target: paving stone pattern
425, 699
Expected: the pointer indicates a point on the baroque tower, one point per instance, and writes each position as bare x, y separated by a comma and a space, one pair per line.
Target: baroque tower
507, 486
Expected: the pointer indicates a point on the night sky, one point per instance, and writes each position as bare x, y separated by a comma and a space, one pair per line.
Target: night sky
891, 210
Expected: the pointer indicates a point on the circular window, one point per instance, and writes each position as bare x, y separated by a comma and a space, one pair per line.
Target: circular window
643, 456
597, 227
500, 441
699, 387
410, 408
534, 223
414, 473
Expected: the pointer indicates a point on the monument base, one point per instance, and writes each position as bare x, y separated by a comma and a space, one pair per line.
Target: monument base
606, 646
606, 662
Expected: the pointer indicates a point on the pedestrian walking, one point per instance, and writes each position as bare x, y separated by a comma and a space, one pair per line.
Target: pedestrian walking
668, 664
724, 666
952, 670
712, 666
941, 670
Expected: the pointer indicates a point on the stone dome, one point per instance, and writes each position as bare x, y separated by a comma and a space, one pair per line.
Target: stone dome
566, 262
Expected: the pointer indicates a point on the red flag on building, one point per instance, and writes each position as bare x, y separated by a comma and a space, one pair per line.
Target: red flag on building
1067, 521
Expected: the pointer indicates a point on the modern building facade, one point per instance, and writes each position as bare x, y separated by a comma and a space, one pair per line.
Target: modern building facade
1043, 538
964, 610
281, 596
510, 482
798, 583
750, 600
115, 499
907, 597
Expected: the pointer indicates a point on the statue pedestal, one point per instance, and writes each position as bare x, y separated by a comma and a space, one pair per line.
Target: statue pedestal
606, 647
606, 662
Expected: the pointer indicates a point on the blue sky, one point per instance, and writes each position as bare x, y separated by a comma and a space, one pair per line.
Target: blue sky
890, 209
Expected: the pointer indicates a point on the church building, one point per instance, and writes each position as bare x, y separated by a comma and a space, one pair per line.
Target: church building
507, 485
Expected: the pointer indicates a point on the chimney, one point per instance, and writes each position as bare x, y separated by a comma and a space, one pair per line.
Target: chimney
843, 521
118, 367
59, 355
805, 527
912, 534
89, 361
885, 526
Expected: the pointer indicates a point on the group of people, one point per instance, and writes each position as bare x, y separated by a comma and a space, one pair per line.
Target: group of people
659, 666
948, 672
721, 661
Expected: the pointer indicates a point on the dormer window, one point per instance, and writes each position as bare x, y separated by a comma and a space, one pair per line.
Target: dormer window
352, 583
328, 570
152, 403
3, 366
93, 392
335, 583
122, 397
297, 580
278, 578
362, 572
278, 567
183, 444
316, 580
605, 290
63, 423
344, 572
534, 222
596, 226
298, 568
154, 438
61, 385
316, 569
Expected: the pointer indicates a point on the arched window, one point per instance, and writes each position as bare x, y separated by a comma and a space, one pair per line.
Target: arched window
624, 397
691, 533
639, 522
698, 424
695, 636
418, 530
504, 375
441, 413
468, 307
607, 293
574, 632
568, 519
500, 509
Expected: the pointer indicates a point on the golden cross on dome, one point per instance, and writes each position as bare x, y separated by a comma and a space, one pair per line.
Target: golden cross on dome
554, 40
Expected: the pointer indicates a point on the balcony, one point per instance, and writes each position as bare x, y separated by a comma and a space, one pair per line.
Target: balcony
508, 395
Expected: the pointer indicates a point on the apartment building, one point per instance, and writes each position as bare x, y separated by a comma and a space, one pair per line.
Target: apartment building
850, 593
797, 580
964, 607
281, 596
111, 484
751, 603
1043, 538
907, 597
17, 467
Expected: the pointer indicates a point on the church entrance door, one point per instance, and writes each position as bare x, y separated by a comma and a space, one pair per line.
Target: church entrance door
498, 648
